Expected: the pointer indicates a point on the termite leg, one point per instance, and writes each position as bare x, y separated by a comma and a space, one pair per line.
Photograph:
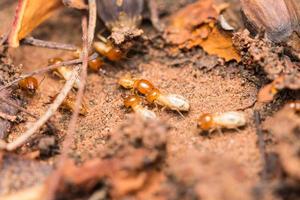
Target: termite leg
180, 113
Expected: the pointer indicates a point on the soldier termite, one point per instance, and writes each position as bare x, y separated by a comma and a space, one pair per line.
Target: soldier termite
217, 121
153, 95
135, 102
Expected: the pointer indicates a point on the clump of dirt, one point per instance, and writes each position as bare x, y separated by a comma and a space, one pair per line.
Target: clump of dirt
261, 52
285, 126
193, 176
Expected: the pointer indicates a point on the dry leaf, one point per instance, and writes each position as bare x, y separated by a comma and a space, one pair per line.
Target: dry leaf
194, 25
29, 14
186, 20
220, 43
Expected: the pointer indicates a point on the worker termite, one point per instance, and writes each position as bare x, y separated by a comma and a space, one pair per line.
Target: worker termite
69, 104
153, 95
106, 48
63, 72
95, 64
216, 121
135, 102
29, 85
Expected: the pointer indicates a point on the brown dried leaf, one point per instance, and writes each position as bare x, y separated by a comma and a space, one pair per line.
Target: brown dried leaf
186, 20
194, 25
29, 14
220, 43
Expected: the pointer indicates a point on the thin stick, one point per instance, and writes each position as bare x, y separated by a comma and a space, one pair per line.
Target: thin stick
46, 69
43, 119
3, 39
48, 44
88, 36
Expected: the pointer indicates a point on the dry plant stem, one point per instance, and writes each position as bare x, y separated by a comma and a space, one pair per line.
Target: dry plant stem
46, 69
88, 36
48, 44
43, 119
3, 39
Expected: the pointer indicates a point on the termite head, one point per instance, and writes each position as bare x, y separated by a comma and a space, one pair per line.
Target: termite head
143, 86
29, 84
95, 64
126, 81
122, 17
206, 122
132, 101
153, 95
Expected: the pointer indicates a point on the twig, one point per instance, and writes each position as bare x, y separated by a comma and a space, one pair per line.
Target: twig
43, 119
48, 44
47, 68
11, 118
88, 36
3, 39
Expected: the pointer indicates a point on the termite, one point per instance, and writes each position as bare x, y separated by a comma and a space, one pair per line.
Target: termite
153, 95
217, 121
106, 48
94, 64
135, 102
63, 72
29, 85
69, 104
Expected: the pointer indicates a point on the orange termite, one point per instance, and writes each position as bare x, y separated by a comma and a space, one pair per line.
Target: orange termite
135, 102
63, 72
217, 121
108, 50
69, 104
153, 95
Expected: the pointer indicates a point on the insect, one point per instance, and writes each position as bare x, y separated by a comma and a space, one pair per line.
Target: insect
106, 48
135, 102
95, 64
69, 104
216, 121
153, 95
29, 84
63, 72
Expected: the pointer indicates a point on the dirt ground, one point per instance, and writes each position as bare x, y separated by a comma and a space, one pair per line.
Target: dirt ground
190, 165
